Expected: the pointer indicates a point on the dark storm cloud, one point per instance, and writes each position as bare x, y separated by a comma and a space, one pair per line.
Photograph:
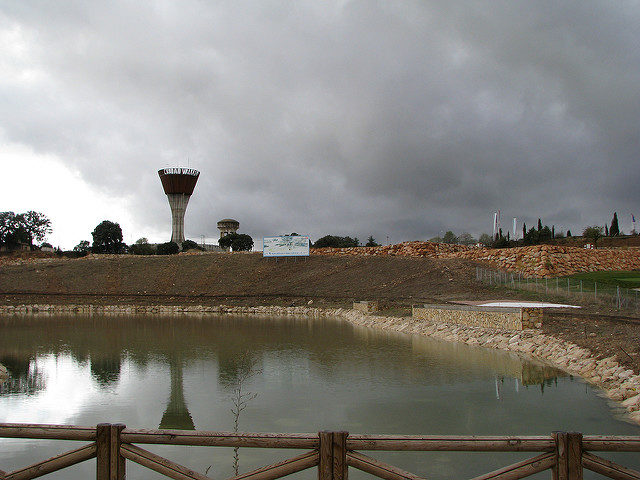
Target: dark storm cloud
351, 117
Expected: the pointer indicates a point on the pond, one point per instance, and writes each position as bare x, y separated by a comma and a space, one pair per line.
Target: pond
295, 375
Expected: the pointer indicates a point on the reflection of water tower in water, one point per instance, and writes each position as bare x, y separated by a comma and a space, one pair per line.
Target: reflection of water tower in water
178, 184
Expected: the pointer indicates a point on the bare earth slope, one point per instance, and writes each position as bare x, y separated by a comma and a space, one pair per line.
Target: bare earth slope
334, 278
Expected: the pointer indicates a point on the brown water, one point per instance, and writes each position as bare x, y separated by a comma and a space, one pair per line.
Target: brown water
306, 375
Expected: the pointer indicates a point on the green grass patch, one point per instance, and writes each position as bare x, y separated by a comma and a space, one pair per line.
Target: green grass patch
626, 279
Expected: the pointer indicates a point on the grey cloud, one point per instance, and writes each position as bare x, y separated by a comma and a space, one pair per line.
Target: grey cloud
350, 117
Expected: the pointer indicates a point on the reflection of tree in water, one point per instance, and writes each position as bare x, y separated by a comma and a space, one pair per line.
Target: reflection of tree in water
105, 370
533, 374
176, 415
235, 368
244, 369
24, 376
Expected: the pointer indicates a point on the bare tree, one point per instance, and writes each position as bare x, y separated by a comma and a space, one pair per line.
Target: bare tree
240, 399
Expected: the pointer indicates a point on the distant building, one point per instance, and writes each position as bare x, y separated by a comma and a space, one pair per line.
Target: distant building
227, 226
209, 247
19, 247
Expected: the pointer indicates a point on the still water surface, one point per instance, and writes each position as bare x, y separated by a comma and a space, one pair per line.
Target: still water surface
300, 375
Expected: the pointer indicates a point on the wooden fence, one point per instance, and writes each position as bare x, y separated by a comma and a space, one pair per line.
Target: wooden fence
565, 454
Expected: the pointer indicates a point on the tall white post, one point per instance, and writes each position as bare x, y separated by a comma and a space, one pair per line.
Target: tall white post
495, 225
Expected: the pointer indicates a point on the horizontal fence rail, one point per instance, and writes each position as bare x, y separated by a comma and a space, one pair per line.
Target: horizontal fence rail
565, 454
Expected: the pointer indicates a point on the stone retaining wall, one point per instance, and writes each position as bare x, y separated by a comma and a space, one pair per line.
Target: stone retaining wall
533, 261
365, 306
619, 384
498, 318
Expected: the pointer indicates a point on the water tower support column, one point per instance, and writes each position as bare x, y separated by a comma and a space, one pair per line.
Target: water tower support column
178, 203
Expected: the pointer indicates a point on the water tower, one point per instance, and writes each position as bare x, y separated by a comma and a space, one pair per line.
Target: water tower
178, 184
227, 226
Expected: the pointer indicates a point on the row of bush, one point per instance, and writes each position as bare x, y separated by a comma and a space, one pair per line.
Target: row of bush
107, 238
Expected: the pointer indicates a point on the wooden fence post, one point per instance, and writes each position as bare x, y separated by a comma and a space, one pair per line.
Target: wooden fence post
574, 453
560, 470
569, 456
118, 462
340, 467
332, 464
103, 450
325, 457
110, 465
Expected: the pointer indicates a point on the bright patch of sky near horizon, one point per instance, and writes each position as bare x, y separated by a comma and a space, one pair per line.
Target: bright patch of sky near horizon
72, 205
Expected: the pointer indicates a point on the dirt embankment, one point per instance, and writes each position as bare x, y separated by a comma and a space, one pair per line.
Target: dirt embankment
249, 279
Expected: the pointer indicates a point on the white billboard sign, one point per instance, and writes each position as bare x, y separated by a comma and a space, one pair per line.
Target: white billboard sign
285, 246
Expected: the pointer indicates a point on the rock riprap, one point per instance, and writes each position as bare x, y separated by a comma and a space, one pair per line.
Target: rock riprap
533, 261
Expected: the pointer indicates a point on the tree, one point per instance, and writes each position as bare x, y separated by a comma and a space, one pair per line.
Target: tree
9, 229
190, 245
107, 238
23, 228
83, 247
466, 238
539, 225
568, 233
238, 242
36, 225
437, 239
227, 240
531, 237
500, 241
142, 247
485, 239
614, 231
524, 230
450, 237
168, 248
243, 243
593, 232
545, 234
336, 242
606, 231
371, 242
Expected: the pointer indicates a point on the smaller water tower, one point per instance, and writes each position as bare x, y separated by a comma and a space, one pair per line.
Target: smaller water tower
227, 226
178, 184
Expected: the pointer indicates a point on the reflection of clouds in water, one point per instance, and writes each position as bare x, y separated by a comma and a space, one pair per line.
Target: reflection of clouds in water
67, 388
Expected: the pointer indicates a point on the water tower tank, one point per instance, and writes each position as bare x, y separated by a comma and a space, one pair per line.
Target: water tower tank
178, 184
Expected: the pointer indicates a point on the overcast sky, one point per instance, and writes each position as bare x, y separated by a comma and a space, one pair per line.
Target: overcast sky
392, 119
